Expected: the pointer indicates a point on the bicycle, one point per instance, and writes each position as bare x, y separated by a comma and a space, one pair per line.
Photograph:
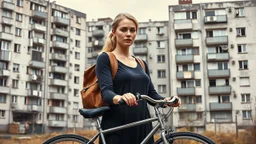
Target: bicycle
167, 136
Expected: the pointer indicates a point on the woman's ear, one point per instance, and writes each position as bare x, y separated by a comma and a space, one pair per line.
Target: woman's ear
113, 31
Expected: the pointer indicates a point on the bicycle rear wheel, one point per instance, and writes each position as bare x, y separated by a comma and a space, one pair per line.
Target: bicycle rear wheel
185, 138
67, 139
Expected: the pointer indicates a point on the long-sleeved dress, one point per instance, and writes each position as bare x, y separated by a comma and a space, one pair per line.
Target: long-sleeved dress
127, 79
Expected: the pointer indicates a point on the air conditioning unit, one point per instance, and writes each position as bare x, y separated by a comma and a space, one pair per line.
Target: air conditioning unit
18, 76
234, 78
230, 29
229, 10
150, 56
233, 62
232, 45
34, 77
211, 19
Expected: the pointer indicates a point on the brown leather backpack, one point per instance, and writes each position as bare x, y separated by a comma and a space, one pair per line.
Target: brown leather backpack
91, 94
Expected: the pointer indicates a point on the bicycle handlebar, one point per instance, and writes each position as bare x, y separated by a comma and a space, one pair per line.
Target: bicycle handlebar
162, 102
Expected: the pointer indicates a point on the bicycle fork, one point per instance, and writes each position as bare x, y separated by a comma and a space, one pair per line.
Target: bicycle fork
160, 120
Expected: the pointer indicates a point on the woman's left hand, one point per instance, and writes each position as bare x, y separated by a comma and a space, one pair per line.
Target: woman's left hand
174, 105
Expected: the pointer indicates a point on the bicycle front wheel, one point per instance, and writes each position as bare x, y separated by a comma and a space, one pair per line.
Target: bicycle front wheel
185, 138
67, 139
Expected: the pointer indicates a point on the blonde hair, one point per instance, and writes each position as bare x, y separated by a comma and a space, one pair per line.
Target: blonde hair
110, 42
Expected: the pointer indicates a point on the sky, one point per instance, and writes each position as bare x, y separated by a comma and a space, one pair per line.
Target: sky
142, 10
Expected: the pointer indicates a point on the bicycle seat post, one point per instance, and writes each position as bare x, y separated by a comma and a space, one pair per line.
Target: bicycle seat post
98, 126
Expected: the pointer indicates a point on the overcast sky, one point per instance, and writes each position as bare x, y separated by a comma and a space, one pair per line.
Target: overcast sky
142, 10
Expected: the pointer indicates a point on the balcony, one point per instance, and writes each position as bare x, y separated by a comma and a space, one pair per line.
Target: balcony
140, 50
34, 93
37, 40
219, 73
215, 19
61, 32
217, 57
37, 64
4, 89
59, 69
220, 40
183, 25
5, 55
7, 20
220, 106
53, 109
60, 57
39, 15
187, 107
185, 75
98, 43
39, 27
54, 123
98, 33
58, 96
4, 73
61, 21
58, 44
8, 5
34, 108
141, 37
218, 90
181, 43
186, 91
184, 58
58, 82
6, 36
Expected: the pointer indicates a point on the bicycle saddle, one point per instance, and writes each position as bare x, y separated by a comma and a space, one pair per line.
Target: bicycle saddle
93, 113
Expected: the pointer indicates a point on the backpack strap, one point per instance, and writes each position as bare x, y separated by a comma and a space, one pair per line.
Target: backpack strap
113, 63
141, 63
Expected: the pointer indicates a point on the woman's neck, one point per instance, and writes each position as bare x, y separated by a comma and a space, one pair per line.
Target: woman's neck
122, 51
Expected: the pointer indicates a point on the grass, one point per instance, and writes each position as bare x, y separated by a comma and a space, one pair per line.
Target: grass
246, 137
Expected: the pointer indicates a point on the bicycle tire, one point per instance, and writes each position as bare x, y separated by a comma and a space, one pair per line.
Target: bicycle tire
67, 138
186, 135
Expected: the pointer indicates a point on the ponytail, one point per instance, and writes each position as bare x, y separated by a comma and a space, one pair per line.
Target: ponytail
110, 43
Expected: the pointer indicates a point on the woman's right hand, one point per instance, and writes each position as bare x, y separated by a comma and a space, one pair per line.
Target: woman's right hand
129, 99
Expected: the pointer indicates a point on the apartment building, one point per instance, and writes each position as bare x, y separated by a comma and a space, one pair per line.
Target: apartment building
212, 64
40, 65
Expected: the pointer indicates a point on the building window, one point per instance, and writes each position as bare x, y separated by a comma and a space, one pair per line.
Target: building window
240, 12
17, 48
141, 31
75, 118
160, 30
14, 99
247, 114
246, 97
161, 74
76, 92
197, 67
75, 105
78, 31
89, 39
77, 55
161, 44
198, 99
90, 49
16, 67
90, 28
78, 19
160, 58
243, 65
4, 45
76, 80
2, 113
162, 88
244, 81
18, 17
77, 67
15, 83
18, 32
20, 3
2, 98
240, 32
77, 43
198, 82
241, 48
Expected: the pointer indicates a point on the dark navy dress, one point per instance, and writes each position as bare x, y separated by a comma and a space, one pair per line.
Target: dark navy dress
127, 79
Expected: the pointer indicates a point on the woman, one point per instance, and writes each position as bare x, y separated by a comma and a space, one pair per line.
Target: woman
129, 80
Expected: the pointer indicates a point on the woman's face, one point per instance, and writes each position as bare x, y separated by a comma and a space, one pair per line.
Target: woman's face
125, 33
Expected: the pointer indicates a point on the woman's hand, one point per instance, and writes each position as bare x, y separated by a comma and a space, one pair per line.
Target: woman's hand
173, 105
129, 99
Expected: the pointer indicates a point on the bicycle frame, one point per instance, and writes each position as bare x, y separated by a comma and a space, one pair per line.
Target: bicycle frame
152, 132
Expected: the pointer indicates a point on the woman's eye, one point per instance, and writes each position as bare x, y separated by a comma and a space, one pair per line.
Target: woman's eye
132, 30
123, 29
